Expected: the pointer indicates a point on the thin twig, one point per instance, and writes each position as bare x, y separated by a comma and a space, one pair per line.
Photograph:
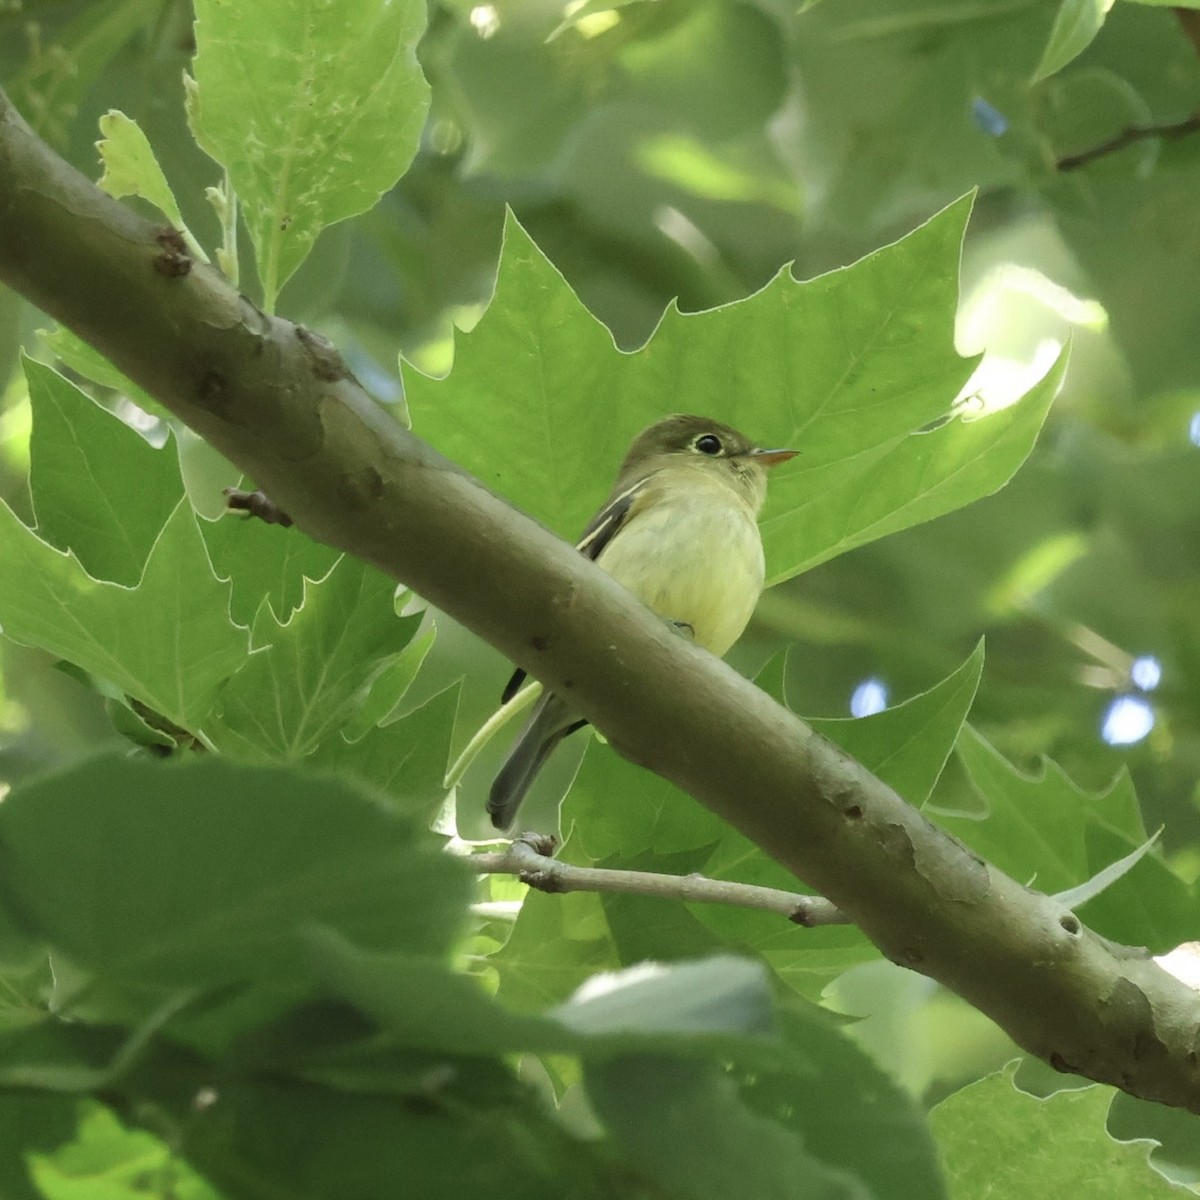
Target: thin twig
1127, 137
549, 875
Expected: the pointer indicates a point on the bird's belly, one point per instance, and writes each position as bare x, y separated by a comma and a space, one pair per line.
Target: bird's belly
693, 562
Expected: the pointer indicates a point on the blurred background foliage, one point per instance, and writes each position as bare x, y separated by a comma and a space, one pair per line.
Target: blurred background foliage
662, 149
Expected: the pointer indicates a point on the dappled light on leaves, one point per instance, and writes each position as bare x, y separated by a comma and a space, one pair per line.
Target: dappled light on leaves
1146, 672
1127, 721
484, 19
1183, 962
999, 381
869, 697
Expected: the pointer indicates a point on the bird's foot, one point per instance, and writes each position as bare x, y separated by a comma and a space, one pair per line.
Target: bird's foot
544, 844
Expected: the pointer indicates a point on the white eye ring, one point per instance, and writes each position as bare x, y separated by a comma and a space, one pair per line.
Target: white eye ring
708, 443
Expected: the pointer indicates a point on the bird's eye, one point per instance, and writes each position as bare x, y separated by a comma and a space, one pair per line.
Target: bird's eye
709, 443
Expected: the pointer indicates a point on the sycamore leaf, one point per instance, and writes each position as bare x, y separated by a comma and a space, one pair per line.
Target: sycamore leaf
556, 943
406, 759
1075, 27
1046, 831
790, 1064
314, 109
99, 489
130, 169
686, 1128
907, 744
1024, 1145
86, 360
390, 688
229, 866
849, 368
264, 561
1034, 826
107, 1161
314, 669
1091, 888
167, 642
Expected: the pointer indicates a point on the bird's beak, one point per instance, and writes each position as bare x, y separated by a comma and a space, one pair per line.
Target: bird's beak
772, 458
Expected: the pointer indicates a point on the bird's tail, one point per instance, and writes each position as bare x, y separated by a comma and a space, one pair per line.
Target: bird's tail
548, 724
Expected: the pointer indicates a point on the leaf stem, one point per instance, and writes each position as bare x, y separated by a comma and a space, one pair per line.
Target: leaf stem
488, 730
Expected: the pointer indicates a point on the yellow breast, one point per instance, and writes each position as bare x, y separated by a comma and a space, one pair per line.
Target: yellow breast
692, 553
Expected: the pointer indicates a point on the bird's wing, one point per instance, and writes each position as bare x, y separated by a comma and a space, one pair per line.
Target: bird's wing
601, 530
605, 525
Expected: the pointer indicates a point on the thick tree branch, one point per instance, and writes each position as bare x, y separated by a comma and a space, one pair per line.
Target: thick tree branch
282, 406
547, 874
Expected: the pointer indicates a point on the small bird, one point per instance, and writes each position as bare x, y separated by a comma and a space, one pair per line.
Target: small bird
680, 531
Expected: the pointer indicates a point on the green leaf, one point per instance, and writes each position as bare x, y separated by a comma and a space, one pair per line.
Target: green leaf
714, 995
107, 1161
264, 561
719, 1004
87, 361
315, 109
620, 810
1034, 827
578, 12
423, 1004
557, 943
1025, 1146
390, 688
456, 1134
848, 367
60, 1056
127, 720
773, 677
406, 759
229, 866
167, 642
315, 669
926, 475
814, 1082
1075, 26
685, 1128
649, 929
133, 726
859, 1118
1047, 832
688, 1008
1104, 879
907, 745
1088, 106
1148, 905
130, 169
99, 489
